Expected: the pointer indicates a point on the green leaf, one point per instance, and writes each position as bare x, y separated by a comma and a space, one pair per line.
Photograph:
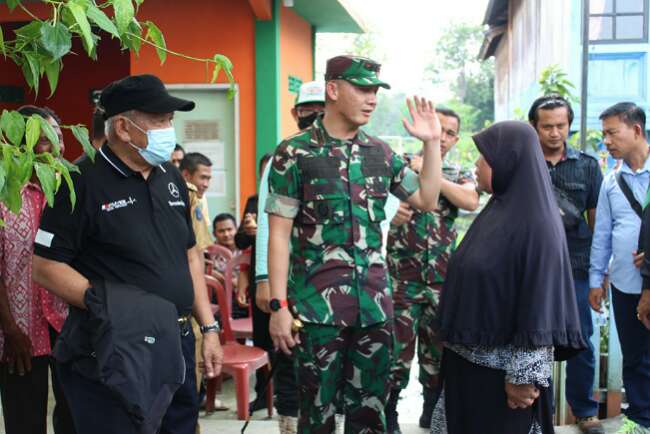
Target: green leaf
30, 31
11, 196
13, 126
3, 177
215, 72
56, 39
84, 26
132, 42
139, 2
155, 35
64, 168
13, 4
51, 135
25, 168
32, 68
52, 71
2, 44
103, 22
124, 12
32, 131
81, 134
47, 178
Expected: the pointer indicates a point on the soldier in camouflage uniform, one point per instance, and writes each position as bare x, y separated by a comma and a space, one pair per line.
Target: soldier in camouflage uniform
419, 246
328, 187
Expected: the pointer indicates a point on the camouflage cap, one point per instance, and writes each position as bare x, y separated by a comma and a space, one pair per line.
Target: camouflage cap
359, 71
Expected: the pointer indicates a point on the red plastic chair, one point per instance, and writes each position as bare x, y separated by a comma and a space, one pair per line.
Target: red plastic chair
240, 361
220, 254
242, 327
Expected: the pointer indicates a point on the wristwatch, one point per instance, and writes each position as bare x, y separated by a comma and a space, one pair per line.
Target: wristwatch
276, 304
209, 328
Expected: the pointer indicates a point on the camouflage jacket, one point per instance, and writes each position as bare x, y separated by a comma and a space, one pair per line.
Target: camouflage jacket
418, 251
335, 192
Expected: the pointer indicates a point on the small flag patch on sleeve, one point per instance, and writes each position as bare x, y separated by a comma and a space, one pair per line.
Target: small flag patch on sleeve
44, 238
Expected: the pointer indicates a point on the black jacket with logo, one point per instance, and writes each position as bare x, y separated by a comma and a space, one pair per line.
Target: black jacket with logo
128, 340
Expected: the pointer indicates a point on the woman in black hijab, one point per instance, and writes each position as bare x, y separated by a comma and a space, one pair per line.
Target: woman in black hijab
508, 304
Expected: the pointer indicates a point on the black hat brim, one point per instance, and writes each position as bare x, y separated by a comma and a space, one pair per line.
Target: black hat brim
166, 104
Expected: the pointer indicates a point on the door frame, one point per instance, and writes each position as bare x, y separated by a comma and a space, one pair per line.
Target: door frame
221, 87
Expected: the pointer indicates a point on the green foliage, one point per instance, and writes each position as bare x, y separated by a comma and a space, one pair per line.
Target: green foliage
39, 49
473, 80
554, 81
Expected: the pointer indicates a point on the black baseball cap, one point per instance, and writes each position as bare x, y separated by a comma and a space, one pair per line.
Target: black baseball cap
145, 93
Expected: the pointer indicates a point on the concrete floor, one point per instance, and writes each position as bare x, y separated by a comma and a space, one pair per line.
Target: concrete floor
409, 408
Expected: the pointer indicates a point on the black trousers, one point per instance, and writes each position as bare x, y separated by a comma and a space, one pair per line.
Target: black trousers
476, 401
24, 398
61, 417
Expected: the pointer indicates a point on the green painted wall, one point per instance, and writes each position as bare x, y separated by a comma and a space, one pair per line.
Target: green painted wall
267, 78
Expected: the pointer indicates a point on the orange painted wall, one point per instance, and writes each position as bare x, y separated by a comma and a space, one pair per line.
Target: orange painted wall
202, 28
295, 59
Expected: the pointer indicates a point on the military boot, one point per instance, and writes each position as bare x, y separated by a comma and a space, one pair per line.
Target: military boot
392, 425
288, 424
430, 399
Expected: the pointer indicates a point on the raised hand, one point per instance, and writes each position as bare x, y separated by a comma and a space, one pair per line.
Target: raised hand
424, 124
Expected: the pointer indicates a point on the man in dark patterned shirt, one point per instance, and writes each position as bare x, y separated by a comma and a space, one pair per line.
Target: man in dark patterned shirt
419, 246
576, 179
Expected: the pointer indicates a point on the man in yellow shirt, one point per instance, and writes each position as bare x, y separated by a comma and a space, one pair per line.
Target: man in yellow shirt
197, 171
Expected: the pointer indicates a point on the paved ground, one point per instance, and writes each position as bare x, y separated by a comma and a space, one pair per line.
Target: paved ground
409, 408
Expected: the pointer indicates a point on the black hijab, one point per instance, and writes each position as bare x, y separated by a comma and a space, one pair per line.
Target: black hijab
510, 280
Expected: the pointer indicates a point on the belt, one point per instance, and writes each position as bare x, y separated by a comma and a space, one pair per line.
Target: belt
184, 319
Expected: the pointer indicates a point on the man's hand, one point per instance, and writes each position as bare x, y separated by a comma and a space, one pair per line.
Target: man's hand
212, 355
18, 351
521, 395
596, 297
242, 297
280, 331
404, 214
263, 296
416, 163
424, 124
250, 224
638, 259
643, 309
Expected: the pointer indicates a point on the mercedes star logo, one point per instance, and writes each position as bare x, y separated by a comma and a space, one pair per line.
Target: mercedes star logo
173, 190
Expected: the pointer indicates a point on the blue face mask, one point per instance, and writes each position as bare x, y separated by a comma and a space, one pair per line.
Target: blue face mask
160, 145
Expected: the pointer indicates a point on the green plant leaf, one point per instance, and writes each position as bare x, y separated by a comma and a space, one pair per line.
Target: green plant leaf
64, 168
32, 67
51, 135
47, 178
32, 131
124, 13
11, 195
2, 44
13, 126
81, 134
25, 167
52, 71
132, 42
155, 35
12, 4
98, 17
79, 15
3, 177
56, 39
30, 31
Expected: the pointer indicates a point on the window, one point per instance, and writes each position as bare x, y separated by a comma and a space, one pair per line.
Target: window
622, 21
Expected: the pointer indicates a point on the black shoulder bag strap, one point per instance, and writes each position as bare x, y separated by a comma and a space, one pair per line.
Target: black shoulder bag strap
636, 206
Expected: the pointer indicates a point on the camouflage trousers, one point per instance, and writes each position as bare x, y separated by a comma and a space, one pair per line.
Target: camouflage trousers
351, 364
413, 321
